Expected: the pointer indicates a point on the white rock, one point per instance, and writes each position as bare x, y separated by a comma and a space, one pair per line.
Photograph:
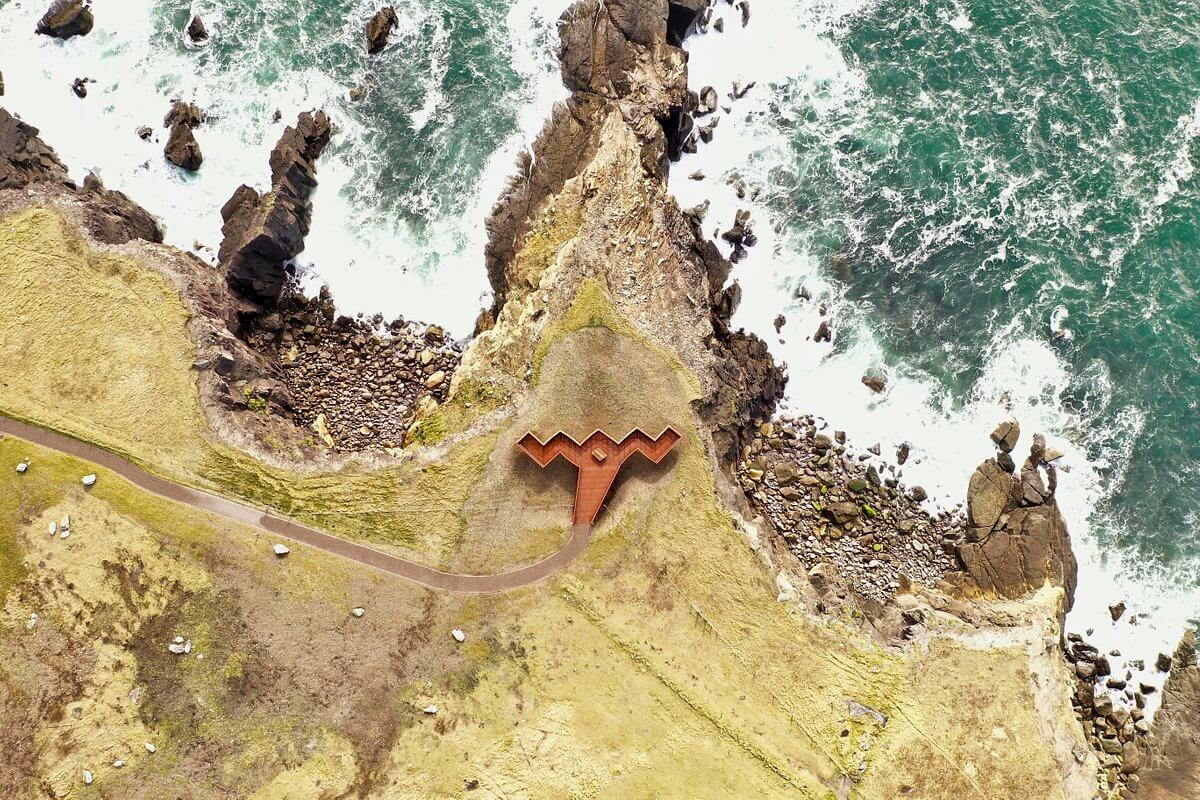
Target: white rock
64, 535
118, 763
33, 618
53, 528
458, 635
358, 611
66, 522
187, 646
87, 777
89, 480
178, 640
280, 550
150, 748
430, 709
177, 649
24, 465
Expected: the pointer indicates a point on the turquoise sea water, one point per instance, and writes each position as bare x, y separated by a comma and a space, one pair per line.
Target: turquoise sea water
988, 171
1013, 167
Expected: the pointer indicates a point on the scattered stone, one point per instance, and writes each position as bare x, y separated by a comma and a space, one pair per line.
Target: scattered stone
918, 494
719, 25
145, 132
67, 18
358, 611
1163, 662
33, 620
1116, 610
458, 635
823, 334
87, 777
89, 480
698, 175
150, 748
281, 550
79, 87
430, 709
118, 763
22, 468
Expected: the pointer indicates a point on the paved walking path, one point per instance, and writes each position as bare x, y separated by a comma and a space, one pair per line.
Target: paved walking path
281, 526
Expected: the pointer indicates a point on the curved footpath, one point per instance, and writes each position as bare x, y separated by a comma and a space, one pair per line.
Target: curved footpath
281, 526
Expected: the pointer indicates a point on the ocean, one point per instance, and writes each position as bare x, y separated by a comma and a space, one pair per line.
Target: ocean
996, 202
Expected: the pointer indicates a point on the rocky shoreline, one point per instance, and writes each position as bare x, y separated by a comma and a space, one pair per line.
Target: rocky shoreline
859, 534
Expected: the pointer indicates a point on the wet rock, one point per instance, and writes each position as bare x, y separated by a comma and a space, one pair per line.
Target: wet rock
902, 453
1163, 662
1, 84
823, 334
67, 18
719, 25
1006, 434
261, 233
1116, 610
79, 87
197, 31
918, 494
874, 383
379, 28
181, 148
708, 101
145, 132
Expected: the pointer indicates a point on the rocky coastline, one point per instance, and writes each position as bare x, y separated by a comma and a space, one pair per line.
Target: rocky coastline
858, 533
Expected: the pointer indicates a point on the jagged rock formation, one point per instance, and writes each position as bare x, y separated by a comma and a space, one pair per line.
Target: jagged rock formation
262, 232
67, 18
181, 148
1016, 537
197, 31
25, 159
1171, 768
605, 153
379, 29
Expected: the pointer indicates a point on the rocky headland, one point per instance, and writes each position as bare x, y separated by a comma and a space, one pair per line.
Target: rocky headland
895, 647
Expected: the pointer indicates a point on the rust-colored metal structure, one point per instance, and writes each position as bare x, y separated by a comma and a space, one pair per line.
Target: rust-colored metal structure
599, 458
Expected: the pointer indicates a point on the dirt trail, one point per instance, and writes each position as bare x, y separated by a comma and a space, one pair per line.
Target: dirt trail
280, 526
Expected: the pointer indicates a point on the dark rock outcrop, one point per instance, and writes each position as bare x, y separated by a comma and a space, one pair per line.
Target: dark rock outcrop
1016, 537
67, 18
379, 29
263, 232
113, 218
602, 47
25, 158
197, 31
181, 148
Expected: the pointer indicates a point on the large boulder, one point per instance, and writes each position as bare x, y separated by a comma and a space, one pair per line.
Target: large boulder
379, 29
989, 494
1006, 434
67, 18
25, 158
1016, 540
181, 148
1031, 549
263, 232
197, 31
114, 218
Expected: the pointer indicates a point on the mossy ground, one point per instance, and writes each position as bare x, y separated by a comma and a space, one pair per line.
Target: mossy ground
662, 664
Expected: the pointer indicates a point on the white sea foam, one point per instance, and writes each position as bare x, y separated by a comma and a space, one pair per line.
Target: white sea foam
790, 50
373, 262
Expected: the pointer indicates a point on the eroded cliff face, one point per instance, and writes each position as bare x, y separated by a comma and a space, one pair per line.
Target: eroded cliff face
590, 202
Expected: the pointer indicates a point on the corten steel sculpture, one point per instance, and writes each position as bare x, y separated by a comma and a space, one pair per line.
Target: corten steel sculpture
599, 458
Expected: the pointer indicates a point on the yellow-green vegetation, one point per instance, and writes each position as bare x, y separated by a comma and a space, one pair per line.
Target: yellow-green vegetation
471, 399
108, 359
663, 664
